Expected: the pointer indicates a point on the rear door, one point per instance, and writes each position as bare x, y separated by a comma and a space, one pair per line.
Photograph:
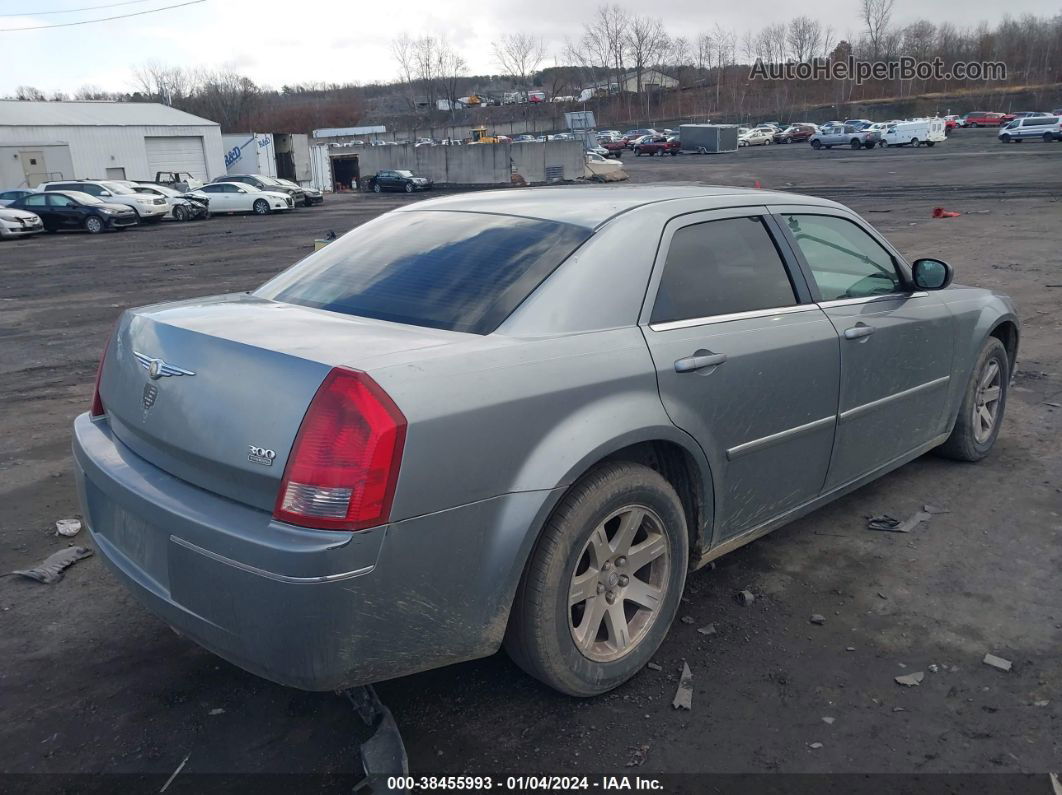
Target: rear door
746, 363
38, 203
896, 343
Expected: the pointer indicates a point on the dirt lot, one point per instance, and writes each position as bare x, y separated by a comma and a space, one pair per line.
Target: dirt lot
92, 683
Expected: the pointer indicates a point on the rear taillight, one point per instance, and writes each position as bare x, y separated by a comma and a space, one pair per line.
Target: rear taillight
97, 409
343, 466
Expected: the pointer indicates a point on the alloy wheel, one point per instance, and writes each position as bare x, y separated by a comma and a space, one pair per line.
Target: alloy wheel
986, 401
619, 583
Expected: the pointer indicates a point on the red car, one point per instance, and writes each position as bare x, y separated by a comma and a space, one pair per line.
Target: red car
795, 132
658, 146
615, 148
980, 118
1009, 117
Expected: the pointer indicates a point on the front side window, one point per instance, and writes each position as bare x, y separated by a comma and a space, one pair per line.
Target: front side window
845, 261
721, 267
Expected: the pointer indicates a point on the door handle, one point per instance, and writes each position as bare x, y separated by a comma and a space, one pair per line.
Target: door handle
699, 361
858, 331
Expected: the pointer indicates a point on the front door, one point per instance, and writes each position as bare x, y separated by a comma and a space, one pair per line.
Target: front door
896, 343
65, 211
746, 363
33, 167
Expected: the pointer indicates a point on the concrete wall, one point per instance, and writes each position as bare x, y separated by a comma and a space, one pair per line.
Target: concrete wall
530, 161
481, 164
94, 149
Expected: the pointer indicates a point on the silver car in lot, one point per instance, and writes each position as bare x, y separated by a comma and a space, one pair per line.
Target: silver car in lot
519, 417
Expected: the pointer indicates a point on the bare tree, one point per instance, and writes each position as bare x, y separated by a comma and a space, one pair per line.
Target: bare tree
402, 50
646, 43
29, 94
165, 84
519, 55
804, 38
451, 66
876, 16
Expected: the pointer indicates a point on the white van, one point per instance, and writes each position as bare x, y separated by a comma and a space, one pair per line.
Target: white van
1047, 128
914, 133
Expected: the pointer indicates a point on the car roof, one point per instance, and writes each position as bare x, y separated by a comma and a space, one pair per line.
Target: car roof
594, 205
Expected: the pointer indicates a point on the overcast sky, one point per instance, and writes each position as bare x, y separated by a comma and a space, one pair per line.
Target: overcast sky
281, 41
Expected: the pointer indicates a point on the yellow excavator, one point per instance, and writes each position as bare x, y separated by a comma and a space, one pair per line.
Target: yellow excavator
479, 136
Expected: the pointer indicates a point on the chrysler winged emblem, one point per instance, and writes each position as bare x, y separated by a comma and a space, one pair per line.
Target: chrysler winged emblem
157, 368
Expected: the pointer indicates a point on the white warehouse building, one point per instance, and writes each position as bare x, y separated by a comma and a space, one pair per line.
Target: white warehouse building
42, 141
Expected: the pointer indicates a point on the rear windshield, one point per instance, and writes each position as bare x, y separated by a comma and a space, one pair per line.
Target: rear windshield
449, 270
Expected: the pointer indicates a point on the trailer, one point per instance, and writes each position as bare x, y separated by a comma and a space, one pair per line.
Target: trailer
706, 139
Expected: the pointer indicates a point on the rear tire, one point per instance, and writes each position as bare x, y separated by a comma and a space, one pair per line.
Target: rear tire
855, 143
930, 143
983, 406
581, 561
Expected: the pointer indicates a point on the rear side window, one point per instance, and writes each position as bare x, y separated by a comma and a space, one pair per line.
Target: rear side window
457, 271
721, 267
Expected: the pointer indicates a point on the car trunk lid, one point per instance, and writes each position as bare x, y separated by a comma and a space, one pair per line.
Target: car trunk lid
213, 391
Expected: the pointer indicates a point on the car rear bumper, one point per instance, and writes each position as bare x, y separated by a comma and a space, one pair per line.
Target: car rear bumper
316, 610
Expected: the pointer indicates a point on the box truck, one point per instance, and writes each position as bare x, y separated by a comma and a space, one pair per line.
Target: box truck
914, 133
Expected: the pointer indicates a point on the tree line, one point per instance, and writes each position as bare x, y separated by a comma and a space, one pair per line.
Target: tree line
710, 70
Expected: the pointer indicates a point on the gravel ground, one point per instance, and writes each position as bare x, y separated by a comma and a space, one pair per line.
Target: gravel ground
92, 683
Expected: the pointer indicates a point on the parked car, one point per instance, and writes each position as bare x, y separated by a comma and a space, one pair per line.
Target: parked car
8, 196
311, 196
1009, 117
438, 471
614, 146
148, 208
795, 133
844, 135
178, 180
266, 183
187, 206
758, 136
235, 197
635, 135
400, 179
657, 145
857, 123
69, 209
19, 223
1046, 128
980, 118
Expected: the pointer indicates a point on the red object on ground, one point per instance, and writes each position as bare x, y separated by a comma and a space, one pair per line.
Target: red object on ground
940, 212
757, 185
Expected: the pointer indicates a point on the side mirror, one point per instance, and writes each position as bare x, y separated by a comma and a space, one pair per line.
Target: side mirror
105, 193
931, 274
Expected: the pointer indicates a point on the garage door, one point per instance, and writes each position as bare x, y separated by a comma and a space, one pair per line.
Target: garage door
176, 153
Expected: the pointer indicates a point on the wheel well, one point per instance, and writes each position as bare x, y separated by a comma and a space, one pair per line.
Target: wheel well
679, 469
1007, 333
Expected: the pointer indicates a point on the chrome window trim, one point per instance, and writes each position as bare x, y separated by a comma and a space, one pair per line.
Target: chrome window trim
775, 438
865, 407
870, 299
346, 575
693, 322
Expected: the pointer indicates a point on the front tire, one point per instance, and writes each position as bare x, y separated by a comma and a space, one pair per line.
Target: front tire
260, 207
1005, 138
93, 225
409, 187
983, 405
376, 188
180, 213
816, 144
603, 583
